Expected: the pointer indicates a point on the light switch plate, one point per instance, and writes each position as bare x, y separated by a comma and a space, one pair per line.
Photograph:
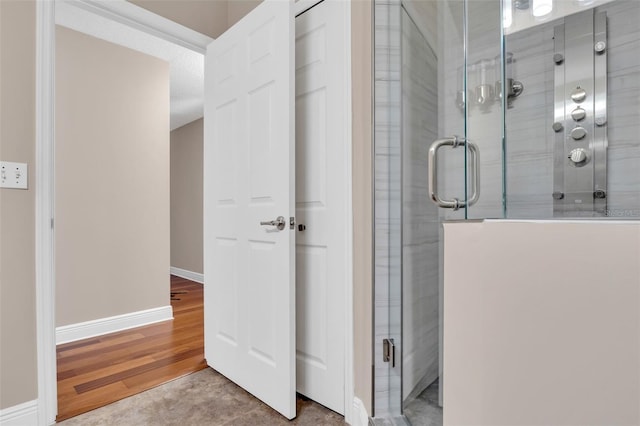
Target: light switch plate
13, 175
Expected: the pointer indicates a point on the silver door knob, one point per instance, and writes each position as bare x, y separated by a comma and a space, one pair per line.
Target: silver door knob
279, 223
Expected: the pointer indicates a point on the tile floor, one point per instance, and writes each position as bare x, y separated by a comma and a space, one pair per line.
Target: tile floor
424, 409
202, 398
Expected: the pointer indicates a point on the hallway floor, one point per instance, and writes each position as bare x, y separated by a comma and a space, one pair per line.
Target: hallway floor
199, 399
98, 371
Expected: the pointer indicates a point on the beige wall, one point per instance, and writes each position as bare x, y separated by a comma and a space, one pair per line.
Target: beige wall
112, 179
548, 314
207, 17
18, 381
186, 197
211, 17
236, 9
361, 62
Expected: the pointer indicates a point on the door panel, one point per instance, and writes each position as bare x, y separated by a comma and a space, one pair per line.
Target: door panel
249, 178
321, 203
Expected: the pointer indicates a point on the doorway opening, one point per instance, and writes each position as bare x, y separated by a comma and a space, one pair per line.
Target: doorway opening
45, 199
119, 93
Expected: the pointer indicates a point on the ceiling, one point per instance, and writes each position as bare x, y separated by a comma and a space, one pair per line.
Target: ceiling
186, 66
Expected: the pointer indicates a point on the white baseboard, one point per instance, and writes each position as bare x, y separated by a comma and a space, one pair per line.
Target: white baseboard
183, 273
25, 414
84, 330
360, 416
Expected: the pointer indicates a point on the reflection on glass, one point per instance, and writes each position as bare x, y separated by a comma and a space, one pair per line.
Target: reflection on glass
507, 13
485, 78
542, 8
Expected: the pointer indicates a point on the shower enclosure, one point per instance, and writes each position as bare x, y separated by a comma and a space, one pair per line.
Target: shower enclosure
488, 109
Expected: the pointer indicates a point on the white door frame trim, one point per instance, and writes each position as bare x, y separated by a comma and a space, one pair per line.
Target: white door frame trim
141, 19
44, 171
45, 168
348, 277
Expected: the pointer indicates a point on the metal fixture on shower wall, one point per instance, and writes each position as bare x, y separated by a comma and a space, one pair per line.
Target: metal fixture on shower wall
580, 115
484, 84
514, 87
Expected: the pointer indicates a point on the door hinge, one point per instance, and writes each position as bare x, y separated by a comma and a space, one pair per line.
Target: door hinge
389, 352
292, 222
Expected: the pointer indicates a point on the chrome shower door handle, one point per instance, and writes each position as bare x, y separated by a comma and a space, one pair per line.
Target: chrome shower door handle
474, 156
433, 173
475, 173
279, 223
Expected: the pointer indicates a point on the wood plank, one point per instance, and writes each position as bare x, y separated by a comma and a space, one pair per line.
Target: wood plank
119, 353
92, 363
124, 339
108, 371
131, 372
87, 402
161, 375
74, 345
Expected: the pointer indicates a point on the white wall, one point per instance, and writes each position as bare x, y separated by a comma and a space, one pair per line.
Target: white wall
542, 323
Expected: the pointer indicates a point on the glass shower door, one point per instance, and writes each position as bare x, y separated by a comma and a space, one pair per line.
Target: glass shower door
438, 134
452, 100
421, 219
487, 98
466, 161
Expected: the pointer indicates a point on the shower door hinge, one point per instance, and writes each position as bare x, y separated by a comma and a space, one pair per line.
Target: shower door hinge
389, 352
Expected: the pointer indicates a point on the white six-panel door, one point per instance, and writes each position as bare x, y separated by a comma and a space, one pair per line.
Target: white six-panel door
321, 198
249, 269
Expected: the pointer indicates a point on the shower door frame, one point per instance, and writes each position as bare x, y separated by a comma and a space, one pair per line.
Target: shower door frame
388, 199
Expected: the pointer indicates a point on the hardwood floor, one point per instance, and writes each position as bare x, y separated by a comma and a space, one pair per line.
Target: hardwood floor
98, 371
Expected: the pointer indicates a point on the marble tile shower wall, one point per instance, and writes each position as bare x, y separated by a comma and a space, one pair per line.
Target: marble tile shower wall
529, 137
387, 199
420, 224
